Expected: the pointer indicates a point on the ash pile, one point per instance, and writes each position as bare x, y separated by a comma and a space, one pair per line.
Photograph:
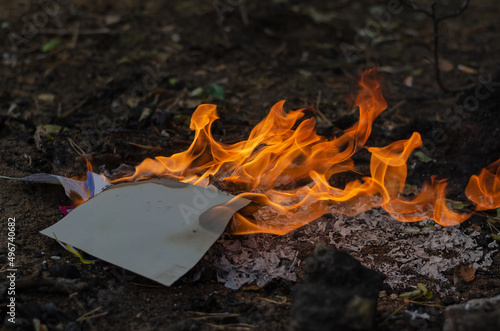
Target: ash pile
402, 252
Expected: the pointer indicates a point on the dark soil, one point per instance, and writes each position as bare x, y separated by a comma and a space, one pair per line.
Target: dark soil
115, 61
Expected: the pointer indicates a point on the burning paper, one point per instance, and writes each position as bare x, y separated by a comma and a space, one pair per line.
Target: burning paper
77, 191
286, 169
157, 229
161, 228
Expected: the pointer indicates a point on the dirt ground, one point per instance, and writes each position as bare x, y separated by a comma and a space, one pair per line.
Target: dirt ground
118, 82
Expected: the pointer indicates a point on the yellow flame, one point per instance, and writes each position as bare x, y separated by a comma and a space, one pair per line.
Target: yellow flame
286, 169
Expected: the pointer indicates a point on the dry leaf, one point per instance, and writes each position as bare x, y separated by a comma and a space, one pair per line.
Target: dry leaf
200, 72
464, 274
46, 97
476, 227
409, 81
146, 112
445, 66
176, 38
251, 287
468, 273
158, 90
305, 73
112, 19
466, 69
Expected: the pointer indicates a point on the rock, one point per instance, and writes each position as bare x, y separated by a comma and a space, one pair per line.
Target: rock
476, 314
56, 253
38, 254
337, 294
72, 326
496, 258
68, 271
448, 300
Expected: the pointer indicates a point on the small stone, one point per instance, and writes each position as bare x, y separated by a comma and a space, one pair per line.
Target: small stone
448, 300
176, 38
72, 326
50, 308
338, 293
56, 253
68, 271
33, 309
476, 314
496, 258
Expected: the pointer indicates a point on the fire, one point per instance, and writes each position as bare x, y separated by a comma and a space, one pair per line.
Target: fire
286, 169
484, 189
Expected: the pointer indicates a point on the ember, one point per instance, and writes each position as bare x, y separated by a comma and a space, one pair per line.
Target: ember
276, 157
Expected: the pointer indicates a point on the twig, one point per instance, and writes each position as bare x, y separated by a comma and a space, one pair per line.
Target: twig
437, 69
243, 13
459, 11
396, 106
320, 113
493, 227
40, 279
234, 326
417, 8
146, 285
435, 20
204, 316
81, 308
176, 101
76, 148
66, 113
81, 32
283, 300
89, 315
76, 32
392, 314
318, 100
156, 129
212, 180
153, 148
37, 105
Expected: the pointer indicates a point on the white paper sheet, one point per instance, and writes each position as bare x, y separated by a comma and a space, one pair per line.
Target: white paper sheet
157, 229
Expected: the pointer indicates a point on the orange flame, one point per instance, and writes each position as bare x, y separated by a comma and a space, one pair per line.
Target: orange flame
484, 189
286, 172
